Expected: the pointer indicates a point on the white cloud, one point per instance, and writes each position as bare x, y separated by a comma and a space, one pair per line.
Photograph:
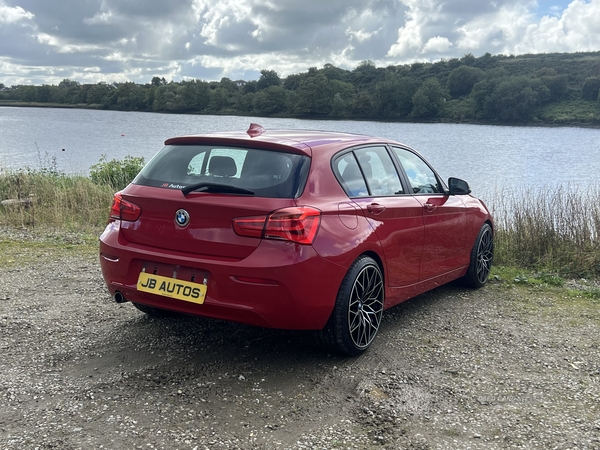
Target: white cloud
14, 14
514, 31
211, 39
437, 44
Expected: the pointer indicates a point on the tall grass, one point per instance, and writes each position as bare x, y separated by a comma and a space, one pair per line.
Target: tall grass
48, 197
549, 229
41, 198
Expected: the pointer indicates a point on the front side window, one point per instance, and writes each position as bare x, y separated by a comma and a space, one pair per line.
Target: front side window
266, 173
422, 179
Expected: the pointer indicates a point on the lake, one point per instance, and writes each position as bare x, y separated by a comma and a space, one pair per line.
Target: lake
488, 157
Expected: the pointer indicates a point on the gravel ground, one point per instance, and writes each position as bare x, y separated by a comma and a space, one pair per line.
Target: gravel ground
502, 367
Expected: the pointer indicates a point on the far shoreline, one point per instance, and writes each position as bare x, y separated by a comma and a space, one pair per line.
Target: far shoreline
538, 124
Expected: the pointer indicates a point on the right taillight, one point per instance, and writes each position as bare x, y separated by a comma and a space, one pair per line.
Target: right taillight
123, 210
297, 224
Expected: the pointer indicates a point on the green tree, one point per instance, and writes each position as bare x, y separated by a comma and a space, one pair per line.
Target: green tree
228, 85
393, 97
44, 93
363, 105
292, 82
66, 83
557, 85
315, 96
462, 79
267, 79
334, 73
246, 103
366, 74
156, 81
199, 97
96, 93
429, 99
250, 86
131, 97
468, 59
271, 100
516, 98
590, 89
339, 107
219, 100
164, 98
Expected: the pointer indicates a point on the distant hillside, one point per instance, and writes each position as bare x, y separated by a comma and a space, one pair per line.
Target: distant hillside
543, 89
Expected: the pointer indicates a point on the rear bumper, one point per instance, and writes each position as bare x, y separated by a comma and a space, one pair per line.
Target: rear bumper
280, 285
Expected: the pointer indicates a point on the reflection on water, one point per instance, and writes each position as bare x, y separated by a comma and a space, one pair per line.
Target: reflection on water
487, 157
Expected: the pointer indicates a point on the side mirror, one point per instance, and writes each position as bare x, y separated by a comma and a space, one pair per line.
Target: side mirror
458, 186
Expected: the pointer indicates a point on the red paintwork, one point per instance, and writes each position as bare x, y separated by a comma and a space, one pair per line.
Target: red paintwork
420, 241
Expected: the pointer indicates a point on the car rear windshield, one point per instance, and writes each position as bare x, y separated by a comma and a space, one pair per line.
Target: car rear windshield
264, 173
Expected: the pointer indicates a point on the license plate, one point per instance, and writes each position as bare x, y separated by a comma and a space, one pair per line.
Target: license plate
171, 287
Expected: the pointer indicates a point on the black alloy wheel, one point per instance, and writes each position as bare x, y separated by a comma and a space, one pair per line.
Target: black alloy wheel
482, 255
357, 313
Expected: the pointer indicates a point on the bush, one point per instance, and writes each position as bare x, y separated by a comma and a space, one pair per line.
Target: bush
591, 89
116, 173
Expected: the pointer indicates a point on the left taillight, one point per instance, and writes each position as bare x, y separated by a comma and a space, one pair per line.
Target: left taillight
298, 224
123, 210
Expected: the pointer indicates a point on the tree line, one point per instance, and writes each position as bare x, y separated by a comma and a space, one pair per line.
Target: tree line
557, 87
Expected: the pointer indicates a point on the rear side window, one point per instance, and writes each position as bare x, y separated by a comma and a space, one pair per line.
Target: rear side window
368, 172
266, 173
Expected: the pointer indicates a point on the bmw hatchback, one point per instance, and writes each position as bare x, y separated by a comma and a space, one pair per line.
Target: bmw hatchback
291, 229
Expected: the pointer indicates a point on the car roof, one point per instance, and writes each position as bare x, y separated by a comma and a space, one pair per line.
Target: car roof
289, 140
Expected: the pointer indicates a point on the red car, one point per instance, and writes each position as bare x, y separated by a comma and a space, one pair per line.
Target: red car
291, 229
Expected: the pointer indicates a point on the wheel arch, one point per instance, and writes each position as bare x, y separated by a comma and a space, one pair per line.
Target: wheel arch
378, 259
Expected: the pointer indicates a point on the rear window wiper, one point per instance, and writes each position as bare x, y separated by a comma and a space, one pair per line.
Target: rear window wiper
216, 188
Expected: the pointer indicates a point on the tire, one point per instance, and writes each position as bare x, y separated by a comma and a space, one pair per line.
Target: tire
482, 255
356, 316
154, 312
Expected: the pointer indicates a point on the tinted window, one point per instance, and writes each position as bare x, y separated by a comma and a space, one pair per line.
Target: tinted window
379, 170
368, 172
350, 176
422, 179
266, 173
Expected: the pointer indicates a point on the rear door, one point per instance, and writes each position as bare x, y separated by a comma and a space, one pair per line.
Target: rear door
370, 178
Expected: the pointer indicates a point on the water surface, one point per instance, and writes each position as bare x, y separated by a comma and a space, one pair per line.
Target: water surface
486, 156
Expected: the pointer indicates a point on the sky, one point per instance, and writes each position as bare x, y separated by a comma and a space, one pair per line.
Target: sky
91, 41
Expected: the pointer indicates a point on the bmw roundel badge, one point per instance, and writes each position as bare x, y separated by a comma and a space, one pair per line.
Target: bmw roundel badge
182, 218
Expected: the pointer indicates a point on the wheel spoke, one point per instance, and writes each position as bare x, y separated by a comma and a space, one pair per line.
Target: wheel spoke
365, 306
484, 256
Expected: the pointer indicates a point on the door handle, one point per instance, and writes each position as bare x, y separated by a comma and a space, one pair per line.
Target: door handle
429, 207
375, 208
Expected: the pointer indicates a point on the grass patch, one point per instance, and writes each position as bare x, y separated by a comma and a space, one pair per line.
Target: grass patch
570, 112
515, 275
26, 252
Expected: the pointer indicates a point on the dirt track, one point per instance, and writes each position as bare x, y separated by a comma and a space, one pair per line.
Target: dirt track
502, 367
